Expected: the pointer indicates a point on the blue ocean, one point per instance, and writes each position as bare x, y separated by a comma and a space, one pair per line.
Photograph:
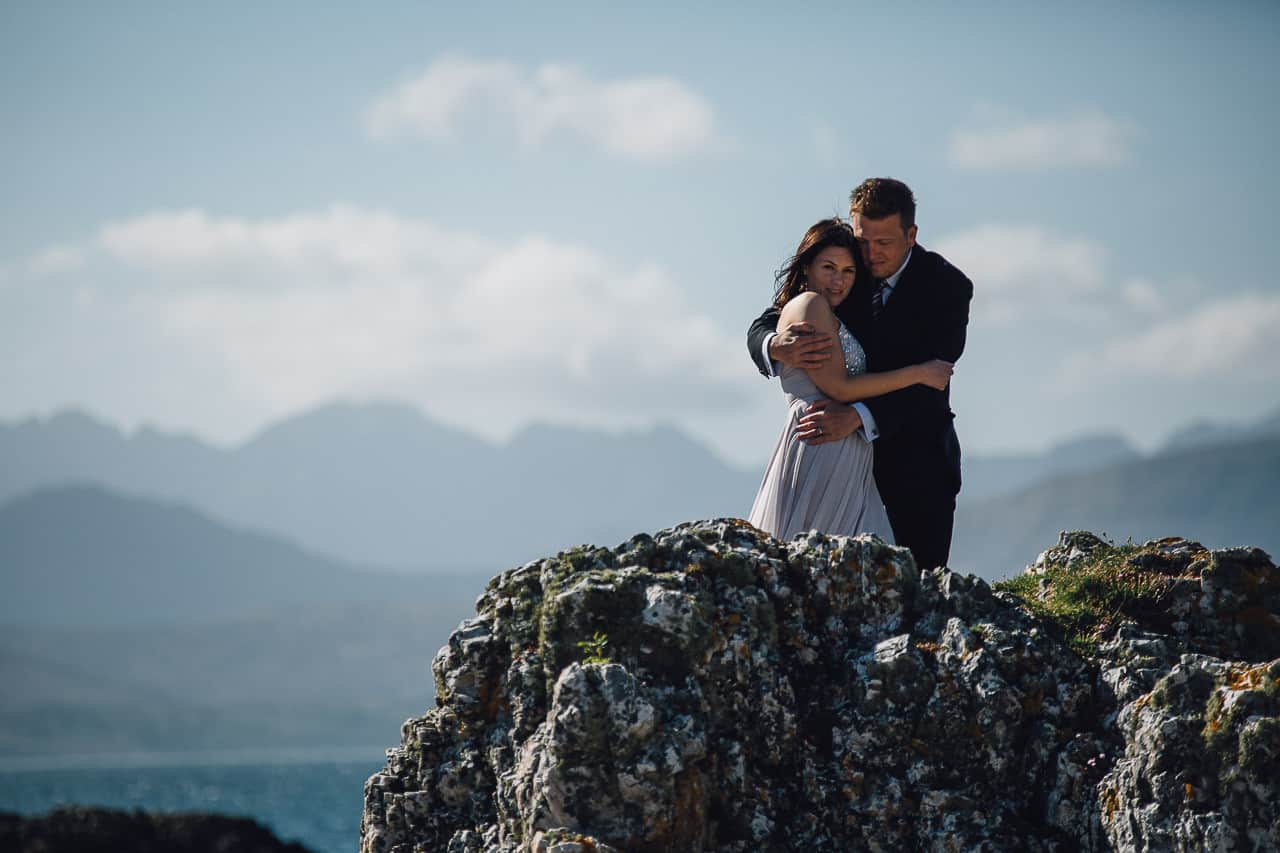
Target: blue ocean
312, 798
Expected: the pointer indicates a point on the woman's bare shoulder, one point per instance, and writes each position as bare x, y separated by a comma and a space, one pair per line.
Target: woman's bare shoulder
808, 307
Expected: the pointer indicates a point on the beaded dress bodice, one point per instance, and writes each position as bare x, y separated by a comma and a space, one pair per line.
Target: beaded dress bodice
855, 357
799, 387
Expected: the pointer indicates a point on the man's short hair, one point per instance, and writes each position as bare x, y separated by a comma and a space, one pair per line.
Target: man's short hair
880, 198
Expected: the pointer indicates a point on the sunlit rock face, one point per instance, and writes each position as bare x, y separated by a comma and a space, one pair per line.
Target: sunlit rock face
712, 688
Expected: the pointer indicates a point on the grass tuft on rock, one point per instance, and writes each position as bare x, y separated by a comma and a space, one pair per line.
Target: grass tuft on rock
1090, 594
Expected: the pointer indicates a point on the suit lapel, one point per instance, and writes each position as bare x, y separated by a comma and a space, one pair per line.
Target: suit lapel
904, 292
877, 336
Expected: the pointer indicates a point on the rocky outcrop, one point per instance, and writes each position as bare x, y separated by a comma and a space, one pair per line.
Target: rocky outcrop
1189, 679
711, 688
80, 829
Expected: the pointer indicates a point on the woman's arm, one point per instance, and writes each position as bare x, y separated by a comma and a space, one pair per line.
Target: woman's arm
832, 379
788, 346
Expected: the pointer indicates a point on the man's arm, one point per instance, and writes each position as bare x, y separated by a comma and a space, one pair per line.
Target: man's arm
894, 412
766, 324
797, 345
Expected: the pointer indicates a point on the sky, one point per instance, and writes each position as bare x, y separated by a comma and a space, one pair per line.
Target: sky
214, 216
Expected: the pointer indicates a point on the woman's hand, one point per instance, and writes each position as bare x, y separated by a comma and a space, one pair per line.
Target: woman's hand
936, 373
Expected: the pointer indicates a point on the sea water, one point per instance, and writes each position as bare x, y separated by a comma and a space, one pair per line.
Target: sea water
312, 798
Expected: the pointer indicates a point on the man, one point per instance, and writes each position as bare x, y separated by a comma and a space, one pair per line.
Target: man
914, 308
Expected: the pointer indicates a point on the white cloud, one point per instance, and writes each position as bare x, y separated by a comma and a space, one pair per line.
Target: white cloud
1227, 339
1012, 258
1086, 137
642, 117
486, 332
339, 242
55, 259
1021, 269
1142, 295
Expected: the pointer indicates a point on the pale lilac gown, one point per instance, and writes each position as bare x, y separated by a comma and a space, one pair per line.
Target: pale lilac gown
826, 487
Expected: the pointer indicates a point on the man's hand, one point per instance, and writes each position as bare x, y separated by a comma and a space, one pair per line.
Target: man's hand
796, 345
826, 420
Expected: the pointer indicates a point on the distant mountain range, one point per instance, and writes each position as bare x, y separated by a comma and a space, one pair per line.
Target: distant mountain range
160, 593
1222, 495
133, 625
989, 476
83, 556
381, 485
1203, 433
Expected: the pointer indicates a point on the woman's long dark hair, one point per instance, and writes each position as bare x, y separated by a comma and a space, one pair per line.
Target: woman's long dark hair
821, 235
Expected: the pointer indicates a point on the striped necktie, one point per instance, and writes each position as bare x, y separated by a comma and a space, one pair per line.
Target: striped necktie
877, 298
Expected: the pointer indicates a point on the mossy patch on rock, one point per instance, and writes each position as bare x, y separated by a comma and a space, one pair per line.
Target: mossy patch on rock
1085, 595
1223, 602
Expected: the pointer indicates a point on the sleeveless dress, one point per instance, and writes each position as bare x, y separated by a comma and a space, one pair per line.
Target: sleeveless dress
826, 487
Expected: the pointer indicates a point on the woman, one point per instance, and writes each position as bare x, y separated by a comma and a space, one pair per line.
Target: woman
828, 487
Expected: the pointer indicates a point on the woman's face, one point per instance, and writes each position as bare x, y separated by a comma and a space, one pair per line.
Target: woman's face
831, 274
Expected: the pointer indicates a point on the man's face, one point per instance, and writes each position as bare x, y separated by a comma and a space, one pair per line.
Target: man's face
884, 243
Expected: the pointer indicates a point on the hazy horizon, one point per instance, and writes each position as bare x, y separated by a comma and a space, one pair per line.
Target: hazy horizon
1156, 444
218, 217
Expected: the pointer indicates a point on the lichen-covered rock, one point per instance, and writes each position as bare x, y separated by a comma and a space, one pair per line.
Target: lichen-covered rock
711, 688
1201, 767
1187, 739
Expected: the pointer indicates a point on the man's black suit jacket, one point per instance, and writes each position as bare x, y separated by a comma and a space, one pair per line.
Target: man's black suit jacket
917, 454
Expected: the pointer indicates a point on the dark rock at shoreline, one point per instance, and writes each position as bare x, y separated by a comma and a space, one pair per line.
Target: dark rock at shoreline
712, 688
79, 829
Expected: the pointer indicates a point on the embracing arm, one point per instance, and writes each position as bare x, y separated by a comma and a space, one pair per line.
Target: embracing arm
832, 379
898, 410
763, 326
795, 344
